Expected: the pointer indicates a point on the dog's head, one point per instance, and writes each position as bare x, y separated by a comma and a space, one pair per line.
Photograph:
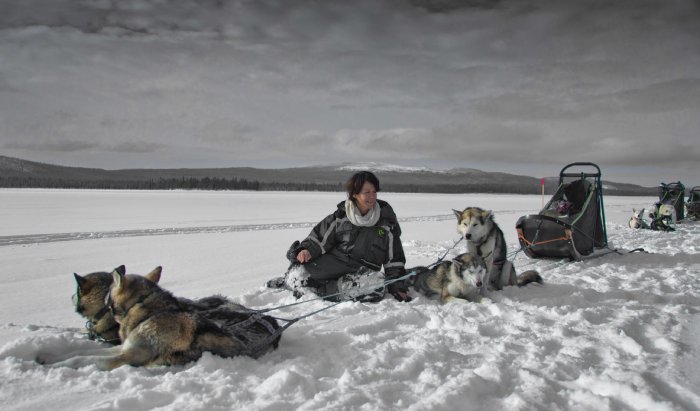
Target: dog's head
471, 268
666, 210
91, 291
128, 290
474, 223
637, 218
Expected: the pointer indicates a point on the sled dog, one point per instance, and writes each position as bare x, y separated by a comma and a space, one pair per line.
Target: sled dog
663, 217
637, 219
458, 280
89, 301
667, 212
485, 239
92, 290
158, 329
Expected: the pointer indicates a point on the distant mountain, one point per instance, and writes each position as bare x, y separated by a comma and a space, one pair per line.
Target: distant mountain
16, 172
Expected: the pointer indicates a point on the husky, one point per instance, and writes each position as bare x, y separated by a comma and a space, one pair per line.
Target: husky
637, 219
157, 329
91, 293
663, 217
667, 212
459, 280
485, 239
89, 301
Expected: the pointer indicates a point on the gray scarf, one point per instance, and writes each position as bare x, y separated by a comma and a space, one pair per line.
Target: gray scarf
355, 217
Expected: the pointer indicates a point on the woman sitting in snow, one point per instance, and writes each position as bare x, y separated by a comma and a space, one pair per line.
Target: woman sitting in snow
344, 253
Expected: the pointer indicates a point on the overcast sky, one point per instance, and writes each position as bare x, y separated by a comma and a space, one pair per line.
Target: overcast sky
521, 86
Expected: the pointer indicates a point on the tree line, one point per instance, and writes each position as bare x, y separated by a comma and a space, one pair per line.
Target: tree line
217, 183
174, 183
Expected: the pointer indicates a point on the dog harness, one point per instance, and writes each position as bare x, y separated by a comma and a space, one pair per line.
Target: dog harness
499, 249
500, 260
91, 327
260, 346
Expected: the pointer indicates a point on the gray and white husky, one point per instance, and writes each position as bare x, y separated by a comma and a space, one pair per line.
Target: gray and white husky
637, 219
460, 279
485, 239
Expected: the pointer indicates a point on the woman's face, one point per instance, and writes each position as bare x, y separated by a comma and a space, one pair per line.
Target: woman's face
366, 198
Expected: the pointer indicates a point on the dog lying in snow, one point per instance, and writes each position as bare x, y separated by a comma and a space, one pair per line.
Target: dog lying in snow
637, 219
156, 328
460, 279
91, 293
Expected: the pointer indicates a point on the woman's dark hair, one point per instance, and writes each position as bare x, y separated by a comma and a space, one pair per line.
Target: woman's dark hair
354, 184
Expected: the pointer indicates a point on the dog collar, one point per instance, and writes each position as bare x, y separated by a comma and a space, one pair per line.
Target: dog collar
95, 336
112, 309
104, 310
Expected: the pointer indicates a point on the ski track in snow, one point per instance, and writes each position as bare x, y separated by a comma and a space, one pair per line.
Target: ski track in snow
55, 237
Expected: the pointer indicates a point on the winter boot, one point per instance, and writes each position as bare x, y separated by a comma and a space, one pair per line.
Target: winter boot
290, 279
277, 282
364, 285
281, 282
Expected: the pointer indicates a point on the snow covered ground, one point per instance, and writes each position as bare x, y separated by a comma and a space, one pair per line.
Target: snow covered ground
619, 332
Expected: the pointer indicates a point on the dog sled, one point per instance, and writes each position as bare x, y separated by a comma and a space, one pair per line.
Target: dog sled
572, 224
671, 194
693, 204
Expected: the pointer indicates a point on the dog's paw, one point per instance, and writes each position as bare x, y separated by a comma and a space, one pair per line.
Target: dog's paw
59, 363
450, 299
46, 358
43, 359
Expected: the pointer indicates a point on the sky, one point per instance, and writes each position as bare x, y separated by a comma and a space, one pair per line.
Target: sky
517, 86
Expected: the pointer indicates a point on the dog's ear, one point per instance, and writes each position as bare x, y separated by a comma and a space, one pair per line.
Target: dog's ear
641, 212
121, 269
80, 280
458, 214
487, 215
154, 276
118, 280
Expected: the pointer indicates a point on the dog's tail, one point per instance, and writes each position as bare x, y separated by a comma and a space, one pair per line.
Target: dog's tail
528, 277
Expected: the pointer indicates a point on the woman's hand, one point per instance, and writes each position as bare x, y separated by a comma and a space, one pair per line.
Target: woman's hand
304, 256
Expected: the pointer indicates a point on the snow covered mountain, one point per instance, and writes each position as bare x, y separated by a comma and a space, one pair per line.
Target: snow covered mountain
16, 172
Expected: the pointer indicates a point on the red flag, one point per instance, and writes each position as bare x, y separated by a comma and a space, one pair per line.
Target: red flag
543, 182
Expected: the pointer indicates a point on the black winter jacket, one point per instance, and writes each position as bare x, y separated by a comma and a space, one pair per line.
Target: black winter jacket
373, 247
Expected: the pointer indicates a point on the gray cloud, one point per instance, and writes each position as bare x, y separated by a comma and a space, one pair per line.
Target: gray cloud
135, 147
226, 132
52, 146
429, 82
659, 97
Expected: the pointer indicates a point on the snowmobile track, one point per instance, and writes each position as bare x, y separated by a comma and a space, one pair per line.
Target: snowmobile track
57, 237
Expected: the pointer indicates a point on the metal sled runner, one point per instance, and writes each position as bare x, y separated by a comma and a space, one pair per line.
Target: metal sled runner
572, 224
693, 204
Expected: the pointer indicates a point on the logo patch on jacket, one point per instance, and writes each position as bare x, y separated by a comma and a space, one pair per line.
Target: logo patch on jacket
381, 232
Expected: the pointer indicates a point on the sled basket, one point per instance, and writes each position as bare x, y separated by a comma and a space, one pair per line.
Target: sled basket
572, 223
673, 194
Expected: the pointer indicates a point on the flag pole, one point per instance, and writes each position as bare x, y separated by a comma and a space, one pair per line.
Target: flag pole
543, 193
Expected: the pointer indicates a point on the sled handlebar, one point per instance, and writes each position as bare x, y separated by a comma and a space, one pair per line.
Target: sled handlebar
562, 173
